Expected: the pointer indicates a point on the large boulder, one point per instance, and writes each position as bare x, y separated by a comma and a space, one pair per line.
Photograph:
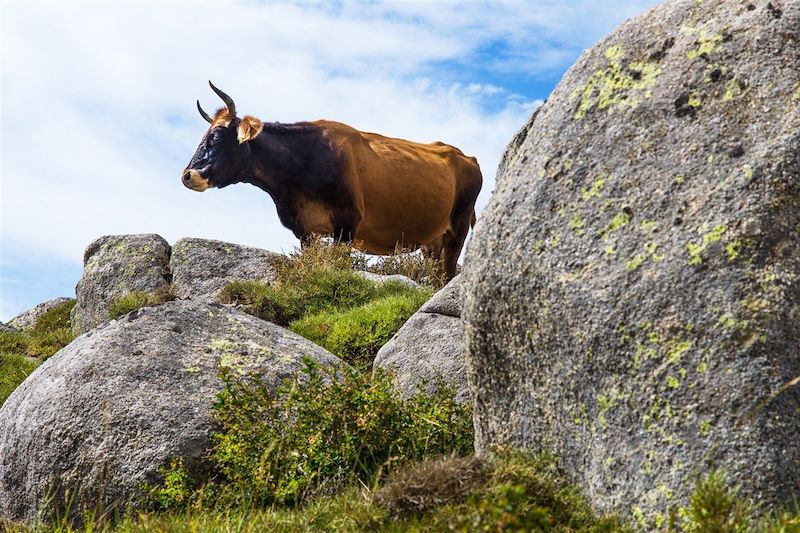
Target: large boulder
27, 319
429, 348
5, 328
632, 296
104, 414
201, 267
113, 266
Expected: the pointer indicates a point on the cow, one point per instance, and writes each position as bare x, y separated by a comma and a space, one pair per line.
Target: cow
326, 178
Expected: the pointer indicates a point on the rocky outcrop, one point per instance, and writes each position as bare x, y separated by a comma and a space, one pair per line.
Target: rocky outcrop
101, 416
28, 319
632, 288
6, 328
201, 267
429, 348
113, 266
387, 278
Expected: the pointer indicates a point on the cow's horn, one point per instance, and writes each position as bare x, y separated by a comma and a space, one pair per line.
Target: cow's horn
225, 98
203, 113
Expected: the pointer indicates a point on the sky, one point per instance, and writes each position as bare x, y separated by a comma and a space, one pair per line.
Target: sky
98, 118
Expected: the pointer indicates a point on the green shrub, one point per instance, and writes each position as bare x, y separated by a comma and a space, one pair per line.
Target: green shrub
133, 300
13, 371
321, 432
714, 506
51, 332
357, 334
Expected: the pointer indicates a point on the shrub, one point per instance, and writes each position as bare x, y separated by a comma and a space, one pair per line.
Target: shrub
322, 431
357, 334
13, 371
714, 506
133, 300
51, 332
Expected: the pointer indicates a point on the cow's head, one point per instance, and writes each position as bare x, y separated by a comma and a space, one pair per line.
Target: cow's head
224, 152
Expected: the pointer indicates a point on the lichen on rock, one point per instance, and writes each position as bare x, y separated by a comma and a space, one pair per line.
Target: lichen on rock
635, 312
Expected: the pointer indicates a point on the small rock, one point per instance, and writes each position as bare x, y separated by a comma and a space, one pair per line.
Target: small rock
386, 278
201, 268
429, 348
113, 266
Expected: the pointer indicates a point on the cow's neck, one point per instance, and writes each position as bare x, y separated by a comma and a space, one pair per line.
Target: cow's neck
278, 160
290, 161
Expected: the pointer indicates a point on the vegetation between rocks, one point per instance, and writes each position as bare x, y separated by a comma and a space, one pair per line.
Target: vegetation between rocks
13, 371
324, 430
51, 332
137, 299
317, 294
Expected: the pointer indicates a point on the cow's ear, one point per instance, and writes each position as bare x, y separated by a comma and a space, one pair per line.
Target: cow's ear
249, 128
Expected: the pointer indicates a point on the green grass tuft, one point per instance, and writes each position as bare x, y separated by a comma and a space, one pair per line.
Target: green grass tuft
357, 334
13, 371
137, 299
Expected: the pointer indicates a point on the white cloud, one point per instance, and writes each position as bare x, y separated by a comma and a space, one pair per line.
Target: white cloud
98, 111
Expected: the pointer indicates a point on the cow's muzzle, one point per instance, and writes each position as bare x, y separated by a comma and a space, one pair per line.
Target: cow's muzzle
193, 180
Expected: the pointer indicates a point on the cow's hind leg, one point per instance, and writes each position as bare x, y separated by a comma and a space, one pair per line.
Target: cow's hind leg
454, 239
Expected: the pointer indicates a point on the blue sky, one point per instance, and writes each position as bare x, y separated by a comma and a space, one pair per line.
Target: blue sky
98, 114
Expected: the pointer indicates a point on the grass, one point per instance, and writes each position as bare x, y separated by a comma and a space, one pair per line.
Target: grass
317, 294
358, 333
13, 371
137, 299
321, 277
51, 332
509, 491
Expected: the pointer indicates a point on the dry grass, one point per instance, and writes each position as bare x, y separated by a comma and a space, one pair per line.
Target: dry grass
431, 484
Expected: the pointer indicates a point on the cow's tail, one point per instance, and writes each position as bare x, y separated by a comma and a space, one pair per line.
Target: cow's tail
473, 220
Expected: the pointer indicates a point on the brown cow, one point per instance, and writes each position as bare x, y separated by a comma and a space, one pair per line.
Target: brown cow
327, 178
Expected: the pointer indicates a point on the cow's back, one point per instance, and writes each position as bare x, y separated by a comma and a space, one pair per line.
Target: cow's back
406, 190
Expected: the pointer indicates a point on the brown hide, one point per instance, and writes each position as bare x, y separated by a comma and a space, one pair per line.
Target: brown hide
408, 194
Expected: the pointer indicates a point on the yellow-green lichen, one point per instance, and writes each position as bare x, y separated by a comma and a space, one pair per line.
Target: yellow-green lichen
694, 100
796, 93
704, 427
617, 222
696, 250
731, 90
707, 43
594, 190
649, 225
636, 262
679, 180
741, 248
677, 349
617, 85
607, 402
577, 223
